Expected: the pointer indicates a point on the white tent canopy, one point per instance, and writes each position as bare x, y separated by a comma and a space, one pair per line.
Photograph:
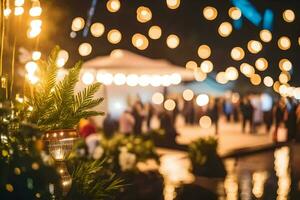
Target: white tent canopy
126, 62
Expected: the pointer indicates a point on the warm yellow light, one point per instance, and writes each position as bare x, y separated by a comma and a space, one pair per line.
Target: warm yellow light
235, 13
154, 32
199, 75
255, 79
173, 4
276, 86
116, 53
157, 98
188, 95
169, 104
77, 24
113, 5
265, 35
205, 122
114, 36
31, 67
34, 32
144, 80
221, 78
33, 79
285, 64
119, 79
247, 69
62, 58
19, 11
132, 80
143, 14
36, 55
140, 41
261, 64
210, 13
288, 15
231, 73
36, 23
6, 12
35, 11
85, 49
225, 29
268, 81
191, 65
202, 99
283, 89
173, 41
19, 2
204, 51
254, 46
97, 29
206, 66
88, 78
105, 78
237, 53
284, 77
296, 93
284, 43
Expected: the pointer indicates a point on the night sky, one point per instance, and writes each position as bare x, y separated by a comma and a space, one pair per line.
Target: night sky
187, 22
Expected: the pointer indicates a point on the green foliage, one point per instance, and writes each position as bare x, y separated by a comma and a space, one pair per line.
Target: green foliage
54, 104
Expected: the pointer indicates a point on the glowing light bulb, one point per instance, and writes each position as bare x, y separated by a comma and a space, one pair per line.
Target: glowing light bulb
237, 53
97, 29
35, 11
62, 58
114, 36
154, 32
202, 99
204, 51
261, 64
254, 46
231, 73
265, 35
284, 43
235, 13
221, 78
140, 41
88, 78
31, 67
288, 16
36, 55
19, 11
85, 49
206, 66
199, 75
188, 95
173, 41
157, 98
210, 13
19, 2
173, 4
6, 12
113, 5
119, 79
169, 104
191, 65
143, 14
268, 81
255, 79
205, 122
77, 24
285, 64
247, 69
225, 29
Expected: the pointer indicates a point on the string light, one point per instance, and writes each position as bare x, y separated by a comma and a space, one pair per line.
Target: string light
6, 12
265, 35
255, 79
261, 64
284, 43
188, 95
113, 5
288, 15
235, 13
210, 13
144, 80
157, 98
191, 65
221, 78
88, 78
254, 46
284, 77
85, 49
173, 41
19, 2
19, 11
268, 81
36, 9
97, 29
225, 29
62, 58
119, 79
199, 75
169, 104
77, 24
285, 64
140, 41
276, 86
204, 51
206, 66
173, 4
132, 80
114, 36
247, 69
143, 14
154, 32
231, 73
237, 53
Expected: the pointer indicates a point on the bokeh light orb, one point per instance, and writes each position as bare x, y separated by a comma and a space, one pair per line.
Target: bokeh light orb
225, 29
206, 66
173, 4
173, 41
117, 53
204, 51
261, 64
210, 13
36, 55
265, 35
144, 80
276, 86
85, 49
31, 67
140, 41
288, 15
119, 79
296, 93
77, 24
285, 64
62, 58
114, 36
143, 14
235, 13
188, 95
254, 46
255, 79
105, 78
221, 78
247, 69
191, 65
157, 98
97, 29
284, 43
169, 104
88, 78
199, 75
237, 53
284, 77
155, 32
175, 78
202, 99
156, 80
205, 122
113, 5
231, 73
268, 81
132, 80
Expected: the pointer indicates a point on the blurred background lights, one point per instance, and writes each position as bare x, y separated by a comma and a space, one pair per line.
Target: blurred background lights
19, 11
284, 77
261, 64
143, 14
35, 10
225, 29
36, 55
114, 36
188, 95
119, 79
204, 51
265, 35
221, 78
237, 53
268, 81
169, 104
276, 86
210, 13
205, 122
254, 46
34, 32
154, 32
19, 2
33, 79
77, 24
105, 78
284, 43
140, 41
235, 13
116, 53
285, 64
206, 66
144, 80
231, 73
155, 80
296, 93
247, 69
288, 15
36, 23
202, 99
6, 12
173, 41
85, 49
62, 58
157, 98
97, 29
199, 75
173, 4
191, 65
255, 79
88, 78
132, 80
113, 5
175, 78
31, 67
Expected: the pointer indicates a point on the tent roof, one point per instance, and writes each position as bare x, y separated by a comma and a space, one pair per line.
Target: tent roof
123, 61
